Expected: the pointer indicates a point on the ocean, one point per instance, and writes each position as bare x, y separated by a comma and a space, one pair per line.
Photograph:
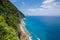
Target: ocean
43, 27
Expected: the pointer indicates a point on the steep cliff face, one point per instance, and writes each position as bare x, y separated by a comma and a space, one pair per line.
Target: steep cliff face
10, 18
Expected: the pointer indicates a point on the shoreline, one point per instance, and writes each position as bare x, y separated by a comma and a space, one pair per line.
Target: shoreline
24, 30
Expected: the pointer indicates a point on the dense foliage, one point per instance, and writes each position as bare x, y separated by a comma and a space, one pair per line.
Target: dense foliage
9, 20
6, 32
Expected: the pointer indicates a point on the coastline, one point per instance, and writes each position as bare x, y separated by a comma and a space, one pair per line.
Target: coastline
24, 33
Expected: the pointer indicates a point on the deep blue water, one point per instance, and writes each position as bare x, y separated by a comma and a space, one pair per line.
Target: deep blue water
43, 27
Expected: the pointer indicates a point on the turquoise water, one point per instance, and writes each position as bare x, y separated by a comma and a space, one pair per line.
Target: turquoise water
43, 27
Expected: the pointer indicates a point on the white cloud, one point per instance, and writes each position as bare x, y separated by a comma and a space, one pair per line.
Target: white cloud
48, 8
48, 1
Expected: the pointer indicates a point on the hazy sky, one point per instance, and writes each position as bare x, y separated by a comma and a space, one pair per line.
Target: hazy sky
38, 7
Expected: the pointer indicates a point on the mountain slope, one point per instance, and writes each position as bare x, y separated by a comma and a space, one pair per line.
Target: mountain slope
10, 18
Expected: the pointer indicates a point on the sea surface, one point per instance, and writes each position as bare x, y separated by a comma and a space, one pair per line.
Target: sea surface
43, 27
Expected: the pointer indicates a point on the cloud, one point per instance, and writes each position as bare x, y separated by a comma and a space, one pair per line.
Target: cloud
48, 1
48, 8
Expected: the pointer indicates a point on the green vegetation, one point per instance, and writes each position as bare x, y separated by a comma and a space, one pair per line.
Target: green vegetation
10, 17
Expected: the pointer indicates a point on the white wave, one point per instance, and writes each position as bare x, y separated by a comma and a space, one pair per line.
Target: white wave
38, 38
35, 36
30, 38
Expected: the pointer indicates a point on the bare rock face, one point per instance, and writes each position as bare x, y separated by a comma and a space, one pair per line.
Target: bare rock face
24, 34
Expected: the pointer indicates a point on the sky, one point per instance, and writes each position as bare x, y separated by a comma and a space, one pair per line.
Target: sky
38, 7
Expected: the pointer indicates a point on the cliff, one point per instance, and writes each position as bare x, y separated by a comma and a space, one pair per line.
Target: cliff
10, 18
